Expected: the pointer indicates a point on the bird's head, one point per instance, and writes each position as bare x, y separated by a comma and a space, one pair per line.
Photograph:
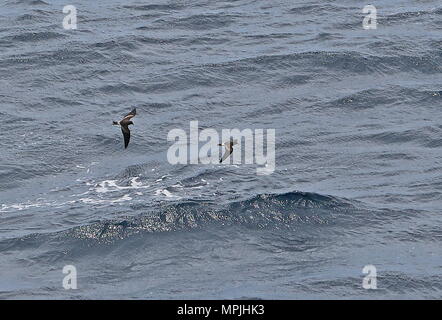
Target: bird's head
130, 123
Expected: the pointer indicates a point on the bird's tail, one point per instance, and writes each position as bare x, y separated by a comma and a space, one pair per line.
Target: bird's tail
115, 123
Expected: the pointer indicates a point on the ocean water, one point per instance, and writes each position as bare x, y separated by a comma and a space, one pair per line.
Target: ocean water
358, 175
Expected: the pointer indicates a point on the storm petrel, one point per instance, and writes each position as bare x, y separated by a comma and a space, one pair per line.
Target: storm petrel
229, 148
124, 124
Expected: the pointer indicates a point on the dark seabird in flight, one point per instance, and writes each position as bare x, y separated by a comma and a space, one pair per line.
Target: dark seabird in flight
229, 148
124, 124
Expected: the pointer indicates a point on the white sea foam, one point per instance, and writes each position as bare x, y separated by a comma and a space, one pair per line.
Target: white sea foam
38, 203
167, 193
162, 178
126, 197
112, 186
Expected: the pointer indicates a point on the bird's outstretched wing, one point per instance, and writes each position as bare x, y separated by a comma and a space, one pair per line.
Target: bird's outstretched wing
131, 114
126, 135
226, 154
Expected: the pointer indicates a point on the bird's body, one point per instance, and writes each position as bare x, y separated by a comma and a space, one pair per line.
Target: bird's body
124, 124
229, 149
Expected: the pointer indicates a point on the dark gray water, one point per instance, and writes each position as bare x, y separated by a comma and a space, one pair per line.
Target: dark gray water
358, 126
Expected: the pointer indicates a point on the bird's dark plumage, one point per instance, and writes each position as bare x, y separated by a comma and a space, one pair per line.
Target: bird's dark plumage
229, 149
126, 135
131, 114
125, 126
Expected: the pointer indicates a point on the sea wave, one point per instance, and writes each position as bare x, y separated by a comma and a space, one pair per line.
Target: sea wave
274, 211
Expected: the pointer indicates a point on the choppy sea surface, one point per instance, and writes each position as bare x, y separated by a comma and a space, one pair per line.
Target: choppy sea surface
358, 176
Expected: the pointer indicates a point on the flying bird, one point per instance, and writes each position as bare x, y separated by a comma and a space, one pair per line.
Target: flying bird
124, 124
229, 148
